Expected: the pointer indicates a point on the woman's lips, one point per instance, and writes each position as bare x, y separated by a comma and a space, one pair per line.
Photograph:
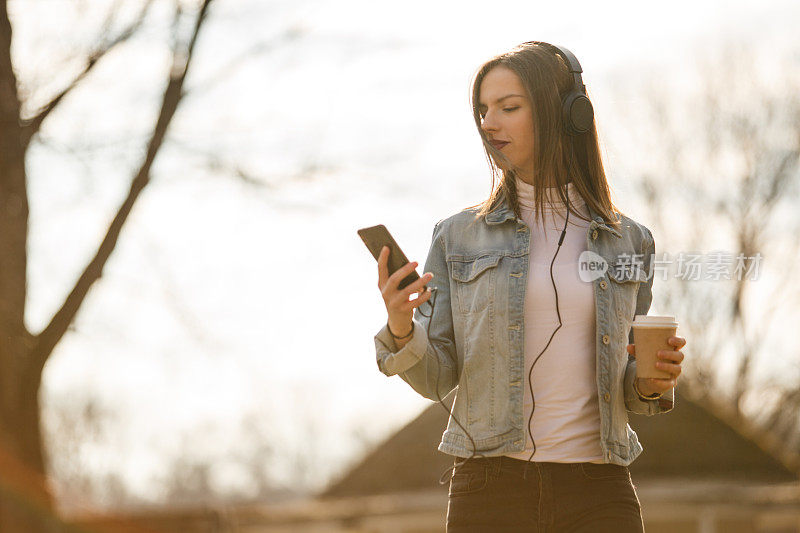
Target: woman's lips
499, 144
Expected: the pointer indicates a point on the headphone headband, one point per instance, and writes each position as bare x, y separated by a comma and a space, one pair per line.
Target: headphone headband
577, 111
569, 58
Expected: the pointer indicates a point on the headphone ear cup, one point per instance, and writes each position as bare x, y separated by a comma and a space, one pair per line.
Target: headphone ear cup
577, 113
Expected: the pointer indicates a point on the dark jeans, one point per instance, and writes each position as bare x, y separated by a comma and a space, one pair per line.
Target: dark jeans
499, 495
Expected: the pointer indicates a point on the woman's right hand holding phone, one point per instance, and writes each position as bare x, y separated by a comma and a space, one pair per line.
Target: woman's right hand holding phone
399, 308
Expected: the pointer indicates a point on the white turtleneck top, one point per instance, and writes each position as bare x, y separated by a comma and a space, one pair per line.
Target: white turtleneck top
566, 421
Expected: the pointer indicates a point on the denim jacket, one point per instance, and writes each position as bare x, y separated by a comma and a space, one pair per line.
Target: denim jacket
476, 332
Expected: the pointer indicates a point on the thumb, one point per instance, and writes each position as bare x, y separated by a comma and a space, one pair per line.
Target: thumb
631, 349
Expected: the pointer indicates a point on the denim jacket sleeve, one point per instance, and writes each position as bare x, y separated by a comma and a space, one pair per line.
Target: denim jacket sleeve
643, 299
428, 357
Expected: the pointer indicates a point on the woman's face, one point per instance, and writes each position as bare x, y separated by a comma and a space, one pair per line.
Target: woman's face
506, 115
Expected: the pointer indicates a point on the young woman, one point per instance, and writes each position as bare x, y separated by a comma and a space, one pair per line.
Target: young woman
544, 448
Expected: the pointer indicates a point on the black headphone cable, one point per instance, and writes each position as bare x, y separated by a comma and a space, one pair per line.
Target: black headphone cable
558, 313
432, 304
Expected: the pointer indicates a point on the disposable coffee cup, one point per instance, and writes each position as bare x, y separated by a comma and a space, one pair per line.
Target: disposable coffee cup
650, 335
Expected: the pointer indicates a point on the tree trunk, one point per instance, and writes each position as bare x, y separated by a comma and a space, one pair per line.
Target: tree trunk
26, 504
25, 501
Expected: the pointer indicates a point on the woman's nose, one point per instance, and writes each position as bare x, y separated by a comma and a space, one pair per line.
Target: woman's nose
487, 123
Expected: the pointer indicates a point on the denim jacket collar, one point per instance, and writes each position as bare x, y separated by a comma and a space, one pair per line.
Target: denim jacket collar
503, 212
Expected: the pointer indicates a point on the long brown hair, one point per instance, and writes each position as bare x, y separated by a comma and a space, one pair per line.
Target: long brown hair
558, 158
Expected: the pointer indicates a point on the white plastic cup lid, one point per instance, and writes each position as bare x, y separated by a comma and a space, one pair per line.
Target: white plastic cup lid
655, 321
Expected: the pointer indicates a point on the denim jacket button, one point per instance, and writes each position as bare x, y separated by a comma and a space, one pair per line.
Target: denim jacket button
605, 339
607, 397
594, 234
603, 284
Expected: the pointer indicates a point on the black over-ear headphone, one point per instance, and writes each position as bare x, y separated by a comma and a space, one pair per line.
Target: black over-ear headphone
576, 109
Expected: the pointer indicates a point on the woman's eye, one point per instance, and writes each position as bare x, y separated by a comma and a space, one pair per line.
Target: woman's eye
507, 109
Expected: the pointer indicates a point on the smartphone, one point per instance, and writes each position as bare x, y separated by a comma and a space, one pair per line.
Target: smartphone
376, 237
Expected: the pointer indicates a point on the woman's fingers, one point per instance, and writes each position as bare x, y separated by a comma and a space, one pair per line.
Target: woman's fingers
397, 300
418, 285
678, 342
670, 356
668, 362
662, 385
416, 302
395, 279
383, 270
673, 369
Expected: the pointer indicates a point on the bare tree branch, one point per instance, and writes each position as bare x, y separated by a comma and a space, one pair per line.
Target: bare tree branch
32, 125
49, 337
194, 326
224, 72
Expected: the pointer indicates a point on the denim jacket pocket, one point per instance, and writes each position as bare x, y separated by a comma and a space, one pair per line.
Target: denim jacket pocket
626, 287
474, 281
